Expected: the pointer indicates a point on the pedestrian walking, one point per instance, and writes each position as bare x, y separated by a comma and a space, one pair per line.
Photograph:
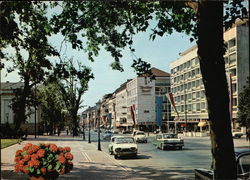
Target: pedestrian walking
67, 131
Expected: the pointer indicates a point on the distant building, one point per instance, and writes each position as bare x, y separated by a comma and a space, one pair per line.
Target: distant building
121, 120
186, 79
7, 115
142, 96
134, 104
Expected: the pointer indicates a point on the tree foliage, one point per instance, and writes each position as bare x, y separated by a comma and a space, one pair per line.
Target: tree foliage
24, 29
73, 85
244, 106
53, 107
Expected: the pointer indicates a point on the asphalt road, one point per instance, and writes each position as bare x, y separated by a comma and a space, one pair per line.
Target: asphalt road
153, 163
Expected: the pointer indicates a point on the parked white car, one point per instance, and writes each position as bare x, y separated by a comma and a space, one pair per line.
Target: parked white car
140, 136
123, 146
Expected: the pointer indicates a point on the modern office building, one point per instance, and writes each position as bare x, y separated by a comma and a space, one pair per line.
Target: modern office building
147, 102
186, 80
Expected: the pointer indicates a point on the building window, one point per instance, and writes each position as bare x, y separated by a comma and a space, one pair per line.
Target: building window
193, 107
198, 107
193, 95
233, 71
197, 83
234, 87
231, 43
226, 59
232, 58
196, 61
203, 105
234, 101
198, 94
146, 111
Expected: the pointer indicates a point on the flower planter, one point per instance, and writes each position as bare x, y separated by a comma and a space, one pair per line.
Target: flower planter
44, 161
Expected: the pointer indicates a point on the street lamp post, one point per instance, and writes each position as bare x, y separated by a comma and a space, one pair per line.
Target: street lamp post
98, 104
83, 132
89, 130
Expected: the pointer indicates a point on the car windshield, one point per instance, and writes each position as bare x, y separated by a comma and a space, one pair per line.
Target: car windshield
140, 133
169, 136
124, 140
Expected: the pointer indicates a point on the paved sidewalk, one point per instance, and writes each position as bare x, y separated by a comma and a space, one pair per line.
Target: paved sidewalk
89, 163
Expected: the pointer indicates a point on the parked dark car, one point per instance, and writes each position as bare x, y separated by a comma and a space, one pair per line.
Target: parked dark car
243, 167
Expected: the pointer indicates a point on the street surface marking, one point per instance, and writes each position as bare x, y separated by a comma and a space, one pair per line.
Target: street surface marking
86, 156
118, 163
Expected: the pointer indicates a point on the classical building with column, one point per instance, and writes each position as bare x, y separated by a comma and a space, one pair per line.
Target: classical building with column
186, 80
7, 115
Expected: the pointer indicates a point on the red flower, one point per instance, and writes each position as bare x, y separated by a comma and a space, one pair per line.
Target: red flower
41, 152
36, 163
30, 163
35, 148
19, 152
17, 159
68, 156
61, 159
53, 147
67, 149
17, 168
34, 156
21, 162
27, 146
60, 149
29, 151
25, 169
26, 158
43, 171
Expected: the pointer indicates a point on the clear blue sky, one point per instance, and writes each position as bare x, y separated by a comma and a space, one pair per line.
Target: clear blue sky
159, 53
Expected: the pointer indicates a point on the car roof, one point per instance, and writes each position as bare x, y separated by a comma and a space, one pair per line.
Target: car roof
241, 150
168, 133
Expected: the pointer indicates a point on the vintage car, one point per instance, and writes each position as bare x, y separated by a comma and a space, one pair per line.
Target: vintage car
107, 135
140, 136
236, 133
243, 167
168, 140
123, 146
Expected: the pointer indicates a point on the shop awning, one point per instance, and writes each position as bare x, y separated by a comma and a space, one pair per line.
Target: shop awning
202, 124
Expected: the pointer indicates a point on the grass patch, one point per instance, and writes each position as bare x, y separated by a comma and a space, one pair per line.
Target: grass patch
8, 142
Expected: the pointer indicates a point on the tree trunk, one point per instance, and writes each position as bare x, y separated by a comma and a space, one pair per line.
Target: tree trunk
210, 52
20, 105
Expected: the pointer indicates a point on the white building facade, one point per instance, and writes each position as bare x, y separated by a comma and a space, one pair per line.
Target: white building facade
186, 79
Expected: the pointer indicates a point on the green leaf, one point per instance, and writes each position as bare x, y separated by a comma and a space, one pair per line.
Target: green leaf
32, 170
50, 167
58, 164
38, 171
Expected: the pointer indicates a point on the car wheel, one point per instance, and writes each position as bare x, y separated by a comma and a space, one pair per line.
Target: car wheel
115, 156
